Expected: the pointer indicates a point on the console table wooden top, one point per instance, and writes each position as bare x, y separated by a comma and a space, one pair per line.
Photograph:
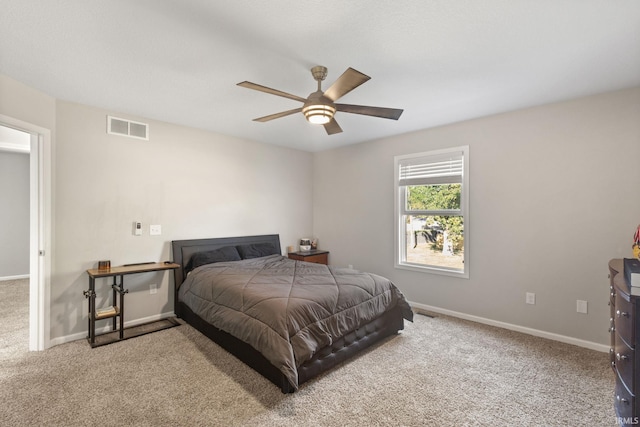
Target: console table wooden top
132, 269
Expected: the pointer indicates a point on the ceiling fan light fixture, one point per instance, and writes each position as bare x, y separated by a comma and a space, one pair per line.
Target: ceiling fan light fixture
318, 114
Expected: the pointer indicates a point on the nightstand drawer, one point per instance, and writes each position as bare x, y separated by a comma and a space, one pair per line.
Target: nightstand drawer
315, 256
318, 259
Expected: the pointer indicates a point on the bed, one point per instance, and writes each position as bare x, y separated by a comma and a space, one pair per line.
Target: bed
289, 320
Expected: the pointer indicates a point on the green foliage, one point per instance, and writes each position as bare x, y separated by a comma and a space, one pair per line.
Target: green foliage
439, 197
433, 197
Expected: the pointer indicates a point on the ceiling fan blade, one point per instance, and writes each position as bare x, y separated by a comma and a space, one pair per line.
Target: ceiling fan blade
348, 81
261, 88
385, 113
332, 127
277, 115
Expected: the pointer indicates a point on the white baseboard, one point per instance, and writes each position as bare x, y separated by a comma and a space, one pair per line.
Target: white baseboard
535, 332
530, 331
7, 278
107, 328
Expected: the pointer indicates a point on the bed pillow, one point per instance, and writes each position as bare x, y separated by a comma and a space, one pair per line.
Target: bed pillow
256, 250
227, 253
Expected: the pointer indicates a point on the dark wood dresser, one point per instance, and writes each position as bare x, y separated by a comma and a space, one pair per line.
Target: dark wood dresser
625, 329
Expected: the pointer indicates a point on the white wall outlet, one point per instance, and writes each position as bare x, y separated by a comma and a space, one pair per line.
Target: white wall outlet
530, 298
153, 288
581, 306
137, 228
155, 230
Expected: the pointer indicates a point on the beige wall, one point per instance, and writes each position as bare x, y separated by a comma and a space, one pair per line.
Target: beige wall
21, 102
193, 183
14, 214
553, 196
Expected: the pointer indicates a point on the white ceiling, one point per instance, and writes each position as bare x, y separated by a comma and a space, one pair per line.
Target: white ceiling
443, 61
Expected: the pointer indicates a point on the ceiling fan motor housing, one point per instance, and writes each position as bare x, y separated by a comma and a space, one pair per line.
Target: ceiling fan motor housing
318, 109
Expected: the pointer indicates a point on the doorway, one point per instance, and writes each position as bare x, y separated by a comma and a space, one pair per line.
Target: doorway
39, 229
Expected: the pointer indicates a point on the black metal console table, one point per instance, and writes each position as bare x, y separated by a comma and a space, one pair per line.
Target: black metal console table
116, 311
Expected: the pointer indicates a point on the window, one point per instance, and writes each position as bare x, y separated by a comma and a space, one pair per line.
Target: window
432, 208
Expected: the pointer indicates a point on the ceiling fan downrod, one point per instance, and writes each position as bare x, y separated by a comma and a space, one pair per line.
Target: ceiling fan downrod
319, 73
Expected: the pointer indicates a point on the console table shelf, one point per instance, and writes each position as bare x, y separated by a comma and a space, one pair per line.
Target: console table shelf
116, 310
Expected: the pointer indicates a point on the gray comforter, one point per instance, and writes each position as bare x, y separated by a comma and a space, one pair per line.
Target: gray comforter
287, 309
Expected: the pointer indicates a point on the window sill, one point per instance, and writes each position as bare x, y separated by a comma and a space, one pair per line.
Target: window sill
433, 270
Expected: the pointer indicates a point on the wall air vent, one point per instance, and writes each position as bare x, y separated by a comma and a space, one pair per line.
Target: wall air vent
124, 127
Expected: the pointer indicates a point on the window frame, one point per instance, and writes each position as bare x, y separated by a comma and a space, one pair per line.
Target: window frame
400, 212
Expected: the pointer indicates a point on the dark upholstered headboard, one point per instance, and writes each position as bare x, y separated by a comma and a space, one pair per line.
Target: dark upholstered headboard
184, 249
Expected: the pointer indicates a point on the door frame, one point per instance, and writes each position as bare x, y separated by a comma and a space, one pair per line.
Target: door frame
40, 231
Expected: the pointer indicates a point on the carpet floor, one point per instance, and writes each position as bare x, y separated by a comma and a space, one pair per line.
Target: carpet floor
439, 371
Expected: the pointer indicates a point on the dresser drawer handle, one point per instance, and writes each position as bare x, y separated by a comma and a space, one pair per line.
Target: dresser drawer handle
621, 356
612, 329
622, 313
622, 399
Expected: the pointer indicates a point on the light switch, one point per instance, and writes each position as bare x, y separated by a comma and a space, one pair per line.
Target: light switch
155, 230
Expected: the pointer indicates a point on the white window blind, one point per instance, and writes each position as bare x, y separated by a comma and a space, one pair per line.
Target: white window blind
431, 169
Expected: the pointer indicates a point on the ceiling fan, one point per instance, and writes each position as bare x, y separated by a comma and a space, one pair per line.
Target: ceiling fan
319, 108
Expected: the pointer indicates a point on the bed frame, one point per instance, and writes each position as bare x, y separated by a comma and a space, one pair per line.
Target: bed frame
342, 348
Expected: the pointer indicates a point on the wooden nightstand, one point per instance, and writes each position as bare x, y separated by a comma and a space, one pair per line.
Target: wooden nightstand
314, 255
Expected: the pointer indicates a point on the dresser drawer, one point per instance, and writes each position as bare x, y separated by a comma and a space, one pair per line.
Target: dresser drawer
623, 401
624, 315
624, 358
612, 325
